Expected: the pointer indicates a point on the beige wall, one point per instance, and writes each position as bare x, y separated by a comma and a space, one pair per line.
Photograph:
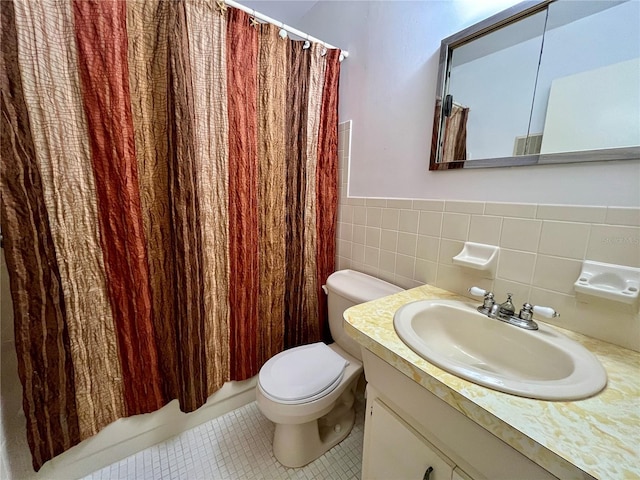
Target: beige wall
411, 242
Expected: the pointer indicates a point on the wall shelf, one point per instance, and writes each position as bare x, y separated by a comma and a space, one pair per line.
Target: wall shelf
618, 283
478, 256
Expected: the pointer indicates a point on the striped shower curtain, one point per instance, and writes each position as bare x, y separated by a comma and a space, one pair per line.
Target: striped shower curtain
168, 203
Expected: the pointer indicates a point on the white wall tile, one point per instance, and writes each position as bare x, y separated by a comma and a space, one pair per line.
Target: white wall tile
387, 261
399, 203
520, 234
386, 275
429, 205
370, 270
426, 271
343, 176
359, 234
614, 244
520, 210
430, 224
343, 263
606, 320
455, 226
572, 213
372, 238
555, 273
448, 250
345, 231
407, 243
485, 229
564, 239
405, 265
458, 280
463, 207
408, 221
360, 215
357, 266
372, 256
516, 266
405, 283
428, 248
520, 291
623, 216
342, 192
390, 218
355, 201
542, 248
346, 213
376, 202
343, 248
374, 217
357, 253
389, 240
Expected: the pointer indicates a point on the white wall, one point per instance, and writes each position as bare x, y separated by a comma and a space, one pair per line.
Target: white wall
388, 90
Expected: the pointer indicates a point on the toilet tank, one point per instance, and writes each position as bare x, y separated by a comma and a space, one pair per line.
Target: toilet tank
346, 288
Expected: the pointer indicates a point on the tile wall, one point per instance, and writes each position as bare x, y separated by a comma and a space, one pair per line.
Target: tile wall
411, 242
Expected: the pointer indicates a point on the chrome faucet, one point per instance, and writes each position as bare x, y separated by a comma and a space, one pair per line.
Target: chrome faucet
506, 312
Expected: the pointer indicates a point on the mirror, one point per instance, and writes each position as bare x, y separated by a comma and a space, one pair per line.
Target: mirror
556, 81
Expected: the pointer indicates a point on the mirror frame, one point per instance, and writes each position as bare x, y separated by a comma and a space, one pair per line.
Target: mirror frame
492, 23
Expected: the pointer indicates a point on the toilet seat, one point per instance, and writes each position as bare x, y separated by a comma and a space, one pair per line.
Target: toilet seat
302, 374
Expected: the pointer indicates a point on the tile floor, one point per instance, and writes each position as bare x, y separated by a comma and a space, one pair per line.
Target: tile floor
235, 446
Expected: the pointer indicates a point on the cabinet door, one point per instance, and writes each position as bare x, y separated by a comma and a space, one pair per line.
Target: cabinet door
394, 450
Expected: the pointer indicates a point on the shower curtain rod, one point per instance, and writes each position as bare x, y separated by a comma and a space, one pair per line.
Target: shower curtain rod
343, 53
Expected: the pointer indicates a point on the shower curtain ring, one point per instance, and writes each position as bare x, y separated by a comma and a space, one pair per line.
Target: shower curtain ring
253, 21
283, 31
221, 5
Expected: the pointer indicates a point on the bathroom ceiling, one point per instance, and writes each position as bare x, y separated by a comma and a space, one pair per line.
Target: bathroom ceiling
288, 12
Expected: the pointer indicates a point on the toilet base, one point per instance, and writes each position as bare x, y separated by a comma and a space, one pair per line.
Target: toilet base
296, 445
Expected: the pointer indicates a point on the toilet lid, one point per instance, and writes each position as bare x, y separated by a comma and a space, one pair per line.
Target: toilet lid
302, 373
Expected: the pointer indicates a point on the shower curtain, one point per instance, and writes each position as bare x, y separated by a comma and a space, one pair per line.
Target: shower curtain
168, 203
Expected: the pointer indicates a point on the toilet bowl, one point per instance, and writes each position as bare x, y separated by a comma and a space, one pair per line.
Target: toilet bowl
309, 391
308, 427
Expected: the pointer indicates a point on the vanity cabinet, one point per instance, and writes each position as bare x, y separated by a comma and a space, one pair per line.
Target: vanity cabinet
396, 450
408, 429
460, 475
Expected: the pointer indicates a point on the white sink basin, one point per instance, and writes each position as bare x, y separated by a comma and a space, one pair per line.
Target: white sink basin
542, 364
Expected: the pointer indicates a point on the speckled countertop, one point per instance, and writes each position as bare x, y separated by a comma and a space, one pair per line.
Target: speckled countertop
599, 435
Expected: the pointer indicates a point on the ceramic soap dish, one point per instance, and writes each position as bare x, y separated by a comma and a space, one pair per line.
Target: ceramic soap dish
478, 256
618, 283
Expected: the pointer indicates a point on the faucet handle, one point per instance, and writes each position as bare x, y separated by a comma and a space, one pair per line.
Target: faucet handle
478, 292
488, 302
546, 312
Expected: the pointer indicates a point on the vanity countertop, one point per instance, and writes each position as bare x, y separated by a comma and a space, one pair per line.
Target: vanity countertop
599, 435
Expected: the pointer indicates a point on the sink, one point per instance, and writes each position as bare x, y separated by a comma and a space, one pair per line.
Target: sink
541, 364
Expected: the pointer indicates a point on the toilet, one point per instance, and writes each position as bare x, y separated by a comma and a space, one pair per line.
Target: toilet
309, 391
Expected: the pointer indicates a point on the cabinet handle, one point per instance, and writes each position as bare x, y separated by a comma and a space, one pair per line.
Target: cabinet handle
427, 473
